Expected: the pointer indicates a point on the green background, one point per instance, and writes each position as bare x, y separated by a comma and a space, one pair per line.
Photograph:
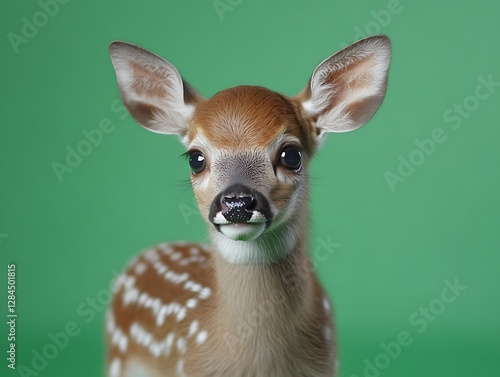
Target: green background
69, 236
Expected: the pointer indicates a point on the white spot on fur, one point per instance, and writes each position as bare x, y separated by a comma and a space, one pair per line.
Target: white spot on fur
205, 293
110, 321
117, 336
140, 268
156, 347
160, 267
326, 305
120, 339
169, 341
115, 368
165, 248
202, 337
181, 314
193, 328
327, 331
175, 277
151, 255
181, 345
180, 367
176, 256
160, 310
160, 318
119, 282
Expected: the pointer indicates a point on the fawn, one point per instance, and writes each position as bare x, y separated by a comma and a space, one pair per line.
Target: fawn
250, 305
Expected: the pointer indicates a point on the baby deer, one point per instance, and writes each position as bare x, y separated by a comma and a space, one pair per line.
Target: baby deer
250, 305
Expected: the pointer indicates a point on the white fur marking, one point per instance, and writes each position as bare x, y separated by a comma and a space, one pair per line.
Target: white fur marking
327, 331
140, 268
146, 339
169, 274
180, 368
131, 295
176, 256
151, 255
193, 328
181, 345
181, 314
110, 321
257, 217
169, 341
202, 337
117, 336
205, 293
114, 368
326, 305
269, 247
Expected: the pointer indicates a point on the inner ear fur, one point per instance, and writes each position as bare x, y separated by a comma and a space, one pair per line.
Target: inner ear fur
347, 88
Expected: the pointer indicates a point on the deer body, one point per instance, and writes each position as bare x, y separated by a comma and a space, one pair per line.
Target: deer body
250, 305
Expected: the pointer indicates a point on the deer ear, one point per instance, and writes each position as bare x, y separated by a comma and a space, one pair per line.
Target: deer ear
346, 89
153, 90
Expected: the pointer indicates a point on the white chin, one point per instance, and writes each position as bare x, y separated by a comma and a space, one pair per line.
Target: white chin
243, 231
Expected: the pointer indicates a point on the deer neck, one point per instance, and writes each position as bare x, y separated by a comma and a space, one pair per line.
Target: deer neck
258, 302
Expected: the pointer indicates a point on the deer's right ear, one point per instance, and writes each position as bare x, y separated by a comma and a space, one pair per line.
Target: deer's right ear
346, 89
153, 90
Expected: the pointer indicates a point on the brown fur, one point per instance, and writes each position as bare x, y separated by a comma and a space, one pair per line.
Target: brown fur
248, 117
262, 320
274, 329
267, 314
146, 82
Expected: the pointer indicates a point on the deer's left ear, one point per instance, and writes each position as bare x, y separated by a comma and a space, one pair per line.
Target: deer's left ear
346, 89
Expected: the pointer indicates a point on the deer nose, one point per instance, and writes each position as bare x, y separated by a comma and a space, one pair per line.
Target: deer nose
238, 208
240, 204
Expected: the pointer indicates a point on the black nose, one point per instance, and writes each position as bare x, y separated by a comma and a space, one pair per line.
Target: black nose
238, 208
238, 203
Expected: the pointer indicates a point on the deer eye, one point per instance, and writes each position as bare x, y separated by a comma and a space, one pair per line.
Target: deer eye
197, 161
291, 158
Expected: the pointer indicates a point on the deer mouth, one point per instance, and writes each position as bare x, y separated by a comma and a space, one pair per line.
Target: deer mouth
242, 231
244, 226
240, 213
